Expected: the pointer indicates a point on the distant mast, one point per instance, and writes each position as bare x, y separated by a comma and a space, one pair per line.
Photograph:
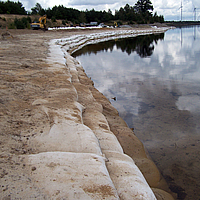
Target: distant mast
195, 14
181, 11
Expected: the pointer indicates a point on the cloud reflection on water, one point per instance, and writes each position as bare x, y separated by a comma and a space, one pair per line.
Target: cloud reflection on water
156, 83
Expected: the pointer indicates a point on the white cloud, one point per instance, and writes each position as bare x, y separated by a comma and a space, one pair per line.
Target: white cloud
188, 103
91, 2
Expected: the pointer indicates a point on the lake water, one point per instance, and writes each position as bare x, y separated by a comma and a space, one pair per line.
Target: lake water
156, 82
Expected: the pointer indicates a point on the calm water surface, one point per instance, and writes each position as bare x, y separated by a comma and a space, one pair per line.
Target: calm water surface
156, 82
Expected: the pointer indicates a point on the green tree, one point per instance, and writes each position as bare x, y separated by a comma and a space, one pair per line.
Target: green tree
22, 23
82, 17
10, 7
19, 24
37, 10
161, 19
143, 6
49, 13
120, 15
127, 13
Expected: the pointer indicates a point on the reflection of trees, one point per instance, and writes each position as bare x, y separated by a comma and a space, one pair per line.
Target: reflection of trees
94, 48
143, 45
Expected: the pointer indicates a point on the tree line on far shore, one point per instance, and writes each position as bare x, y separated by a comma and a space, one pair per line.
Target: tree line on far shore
140, 13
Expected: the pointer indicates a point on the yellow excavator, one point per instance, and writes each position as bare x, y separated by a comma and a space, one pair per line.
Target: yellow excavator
116, 25
41, 24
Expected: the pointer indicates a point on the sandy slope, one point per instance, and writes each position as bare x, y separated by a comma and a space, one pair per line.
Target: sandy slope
60, 138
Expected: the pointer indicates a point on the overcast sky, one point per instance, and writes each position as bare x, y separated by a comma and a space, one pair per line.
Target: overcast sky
169, 8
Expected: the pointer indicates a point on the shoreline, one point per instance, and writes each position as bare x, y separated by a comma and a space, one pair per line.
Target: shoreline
68, 103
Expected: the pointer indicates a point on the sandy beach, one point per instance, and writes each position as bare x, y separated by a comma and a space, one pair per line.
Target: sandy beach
60, 137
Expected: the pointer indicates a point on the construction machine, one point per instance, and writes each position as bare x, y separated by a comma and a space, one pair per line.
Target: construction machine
41, 24
116, 25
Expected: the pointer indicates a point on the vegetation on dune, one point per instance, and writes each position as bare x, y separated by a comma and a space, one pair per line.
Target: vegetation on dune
140, 13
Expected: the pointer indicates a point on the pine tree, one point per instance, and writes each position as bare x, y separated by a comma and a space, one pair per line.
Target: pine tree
143, 6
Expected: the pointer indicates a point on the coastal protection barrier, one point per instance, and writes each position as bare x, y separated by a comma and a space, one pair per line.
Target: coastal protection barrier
87, 151
112, 162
